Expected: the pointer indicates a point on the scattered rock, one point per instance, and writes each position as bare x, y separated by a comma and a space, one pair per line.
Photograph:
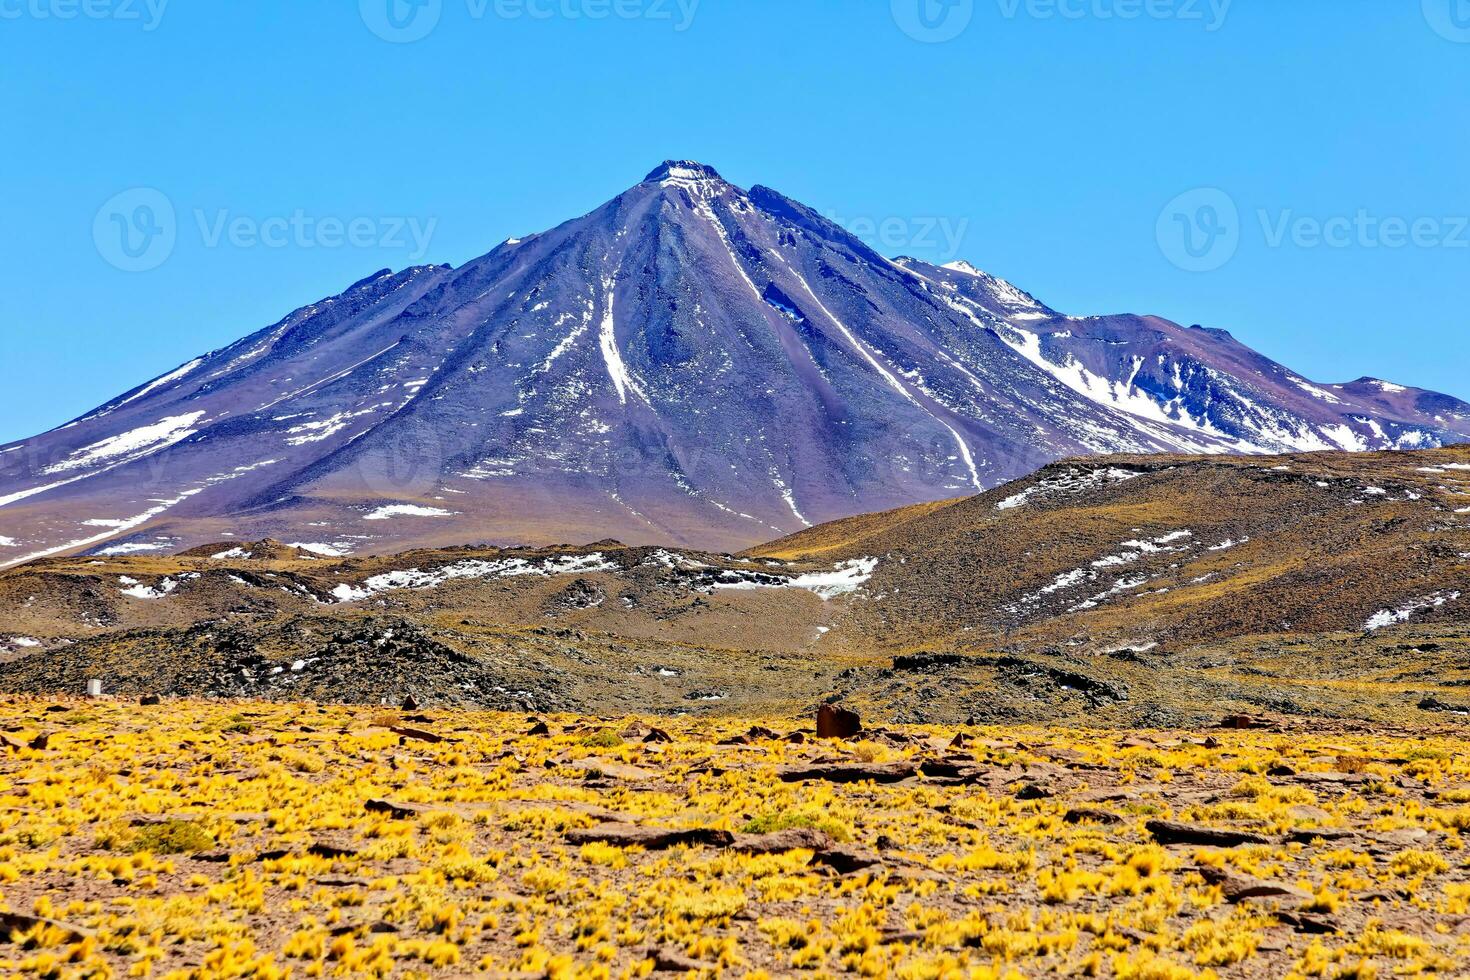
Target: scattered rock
669, 960
781, 841
19, 921
398, 811
416, 734
1238, 887
1176, 832
1307, 835
1319, 925
837, 722
650, 838
410, 703
1432, 703
148, 700
1243, 722
845, 859
1089, 814
850, 772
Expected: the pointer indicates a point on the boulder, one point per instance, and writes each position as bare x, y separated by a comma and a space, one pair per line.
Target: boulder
849, 772
1176, 832
837, 722
650, 838
1236, 886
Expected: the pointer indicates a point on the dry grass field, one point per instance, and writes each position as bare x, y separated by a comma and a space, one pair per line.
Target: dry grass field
225, 839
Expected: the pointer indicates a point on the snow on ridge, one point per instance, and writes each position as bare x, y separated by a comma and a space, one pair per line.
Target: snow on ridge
139, 591
1319, 393
339, 549
1392, 617
845, 577
167, 379
673, 560
300, 435
406, 510
475, 568
1072, 481
8, 542
136, 442
131, 548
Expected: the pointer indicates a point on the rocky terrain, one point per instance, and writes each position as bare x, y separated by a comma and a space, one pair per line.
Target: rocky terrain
690, 364
244, 839
1138, 590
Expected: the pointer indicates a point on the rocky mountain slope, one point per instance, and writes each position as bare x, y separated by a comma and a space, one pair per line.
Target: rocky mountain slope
690, 363
1118, 588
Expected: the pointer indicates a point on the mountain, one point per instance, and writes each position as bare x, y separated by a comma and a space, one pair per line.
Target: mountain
1152, 589
691, 363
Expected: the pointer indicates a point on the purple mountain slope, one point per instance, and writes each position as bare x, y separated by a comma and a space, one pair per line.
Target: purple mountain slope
690, 363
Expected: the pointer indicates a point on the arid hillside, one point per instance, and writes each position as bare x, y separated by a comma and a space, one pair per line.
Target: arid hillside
1128, 589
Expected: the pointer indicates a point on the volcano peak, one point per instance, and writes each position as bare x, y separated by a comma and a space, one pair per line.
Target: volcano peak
682, 170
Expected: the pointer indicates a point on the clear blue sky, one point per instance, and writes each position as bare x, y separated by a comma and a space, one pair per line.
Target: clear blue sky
1053, 142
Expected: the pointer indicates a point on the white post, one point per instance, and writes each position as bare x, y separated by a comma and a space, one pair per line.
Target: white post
94, 688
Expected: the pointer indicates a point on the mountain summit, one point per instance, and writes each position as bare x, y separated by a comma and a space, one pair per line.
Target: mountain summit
689, 363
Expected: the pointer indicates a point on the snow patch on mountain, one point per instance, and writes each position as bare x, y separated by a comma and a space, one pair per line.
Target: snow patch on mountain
413, 578
144, 440
406, 510
1392, 617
